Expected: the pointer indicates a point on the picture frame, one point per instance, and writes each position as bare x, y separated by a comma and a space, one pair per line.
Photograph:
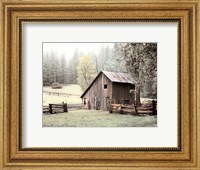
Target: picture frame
14, 156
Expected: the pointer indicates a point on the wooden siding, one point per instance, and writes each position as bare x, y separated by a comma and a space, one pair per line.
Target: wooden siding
121, 92
97, 95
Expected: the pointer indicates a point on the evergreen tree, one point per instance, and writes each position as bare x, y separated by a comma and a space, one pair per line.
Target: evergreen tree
113, 62
53, 68
141, 62
46, 70
63, 70
72, 68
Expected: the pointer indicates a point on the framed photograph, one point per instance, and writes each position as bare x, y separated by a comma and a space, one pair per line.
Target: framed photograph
99, 85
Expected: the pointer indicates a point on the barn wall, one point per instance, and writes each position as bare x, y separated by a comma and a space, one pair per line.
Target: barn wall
121, 92
97, 95
106, 93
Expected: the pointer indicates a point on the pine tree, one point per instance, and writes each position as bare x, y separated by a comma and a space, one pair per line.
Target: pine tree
63, 70
141, 62
113, 62
72, 68
46, 70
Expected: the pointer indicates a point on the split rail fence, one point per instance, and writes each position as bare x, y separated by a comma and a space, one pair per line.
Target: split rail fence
131, 109
60, 94
55, 108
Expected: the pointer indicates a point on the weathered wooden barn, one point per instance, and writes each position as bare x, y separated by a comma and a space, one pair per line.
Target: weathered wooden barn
109, 87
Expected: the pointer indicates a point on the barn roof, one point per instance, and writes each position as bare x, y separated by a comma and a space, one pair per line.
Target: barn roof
113, 77
119, 77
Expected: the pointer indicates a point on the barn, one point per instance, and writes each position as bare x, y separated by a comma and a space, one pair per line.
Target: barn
109, 87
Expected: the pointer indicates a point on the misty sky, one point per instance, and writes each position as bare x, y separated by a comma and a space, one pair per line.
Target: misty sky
68, 48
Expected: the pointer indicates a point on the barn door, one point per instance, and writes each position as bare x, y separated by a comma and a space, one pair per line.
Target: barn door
95, 102
108, 103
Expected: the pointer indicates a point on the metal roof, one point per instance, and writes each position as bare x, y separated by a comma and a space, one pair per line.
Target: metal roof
114, 77
119, 77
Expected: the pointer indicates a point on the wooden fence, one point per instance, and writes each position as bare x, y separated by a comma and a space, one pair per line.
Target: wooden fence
55, 108
46, 109
130, 109
74, 106
60, 94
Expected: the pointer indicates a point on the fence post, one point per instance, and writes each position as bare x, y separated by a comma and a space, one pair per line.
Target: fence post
65, 107
154, 107
50, 108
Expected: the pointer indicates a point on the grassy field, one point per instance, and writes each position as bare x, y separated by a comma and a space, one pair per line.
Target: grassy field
74, 90
94, 118
71, 89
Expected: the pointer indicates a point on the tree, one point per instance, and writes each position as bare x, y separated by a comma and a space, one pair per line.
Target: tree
141, 62
46, 70
54, 68
96, 62
63, 70
114, 62
85, 71
106, 59
54, 65
72, 68
50, 64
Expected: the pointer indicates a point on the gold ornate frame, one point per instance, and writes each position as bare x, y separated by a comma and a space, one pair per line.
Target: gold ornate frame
13, 156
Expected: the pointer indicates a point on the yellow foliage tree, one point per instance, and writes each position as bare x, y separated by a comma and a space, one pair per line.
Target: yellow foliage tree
85, 71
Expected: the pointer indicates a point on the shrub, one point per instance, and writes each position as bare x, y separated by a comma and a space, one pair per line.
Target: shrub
56, 85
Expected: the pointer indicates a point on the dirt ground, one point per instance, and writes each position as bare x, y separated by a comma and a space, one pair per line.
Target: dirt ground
94, 118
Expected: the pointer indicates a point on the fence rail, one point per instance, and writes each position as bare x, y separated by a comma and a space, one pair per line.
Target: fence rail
55, 108
142, 109
60, 94
74, 106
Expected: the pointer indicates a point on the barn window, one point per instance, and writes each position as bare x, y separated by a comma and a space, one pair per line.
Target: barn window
105, 86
